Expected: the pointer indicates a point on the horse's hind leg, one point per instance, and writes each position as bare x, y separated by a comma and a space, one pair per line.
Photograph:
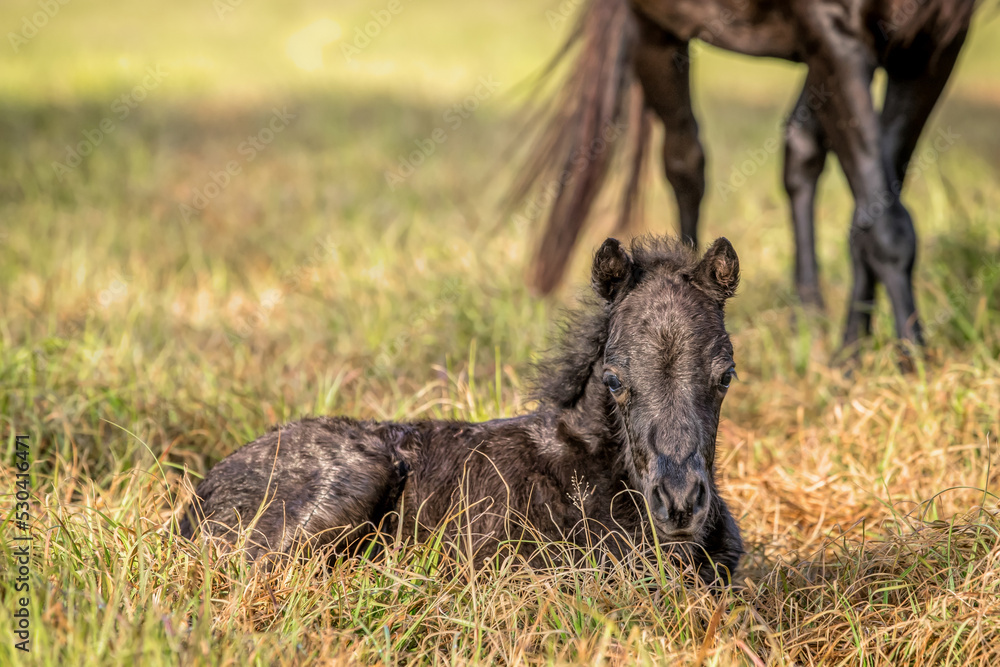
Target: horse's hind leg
663, 66
805, 157
916, 78
318, 481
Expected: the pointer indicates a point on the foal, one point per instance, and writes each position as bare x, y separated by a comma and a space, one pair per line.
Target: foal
628, 410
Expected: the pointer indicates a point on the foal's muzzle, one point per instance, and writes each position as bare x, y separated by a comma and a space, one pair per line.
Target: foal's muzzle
680, 506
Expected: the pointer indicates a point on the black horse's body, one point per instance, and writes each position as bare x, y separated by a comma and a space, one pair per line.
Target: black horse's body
843, 42
623, 442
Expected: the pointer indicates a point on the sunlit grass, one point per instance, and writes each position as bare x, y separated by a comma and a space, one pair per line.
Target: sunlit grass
140, 344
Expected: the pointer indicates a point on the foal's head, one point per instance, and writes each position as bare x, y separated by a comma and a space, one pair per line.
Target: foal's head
667, 365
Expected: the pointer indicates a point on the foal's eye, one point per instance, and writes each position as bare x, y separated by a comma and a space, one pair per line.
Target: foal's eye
727, 379
612, 382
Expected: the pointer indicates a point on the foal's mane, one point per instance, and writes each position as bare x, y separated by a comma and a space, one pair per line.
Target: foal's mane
561, 376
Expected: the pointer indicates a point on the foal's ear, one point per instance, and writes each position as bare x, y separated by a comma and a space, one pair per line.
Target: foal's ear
612, 272
718, 272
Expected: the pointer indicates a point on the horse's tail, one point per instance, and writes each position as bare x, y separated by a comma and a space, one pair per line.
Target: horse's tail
588, 118
942, 20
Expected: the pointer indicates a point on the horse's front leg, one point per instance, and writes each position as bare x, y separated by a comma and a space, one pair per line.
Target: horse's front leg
883, 240
663, 66
805, 157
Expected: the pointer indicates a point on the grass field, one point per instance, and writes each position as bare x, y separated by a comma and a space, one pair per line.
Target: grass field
174, 279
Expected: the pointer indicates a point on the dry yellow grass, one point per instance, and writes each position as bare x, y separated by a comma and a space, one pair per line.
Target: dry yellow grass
138, 347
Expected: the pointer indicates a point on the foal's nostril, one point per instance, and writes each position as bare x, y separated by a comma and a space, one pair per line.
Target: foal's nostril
698, 497
660, 505
681, 514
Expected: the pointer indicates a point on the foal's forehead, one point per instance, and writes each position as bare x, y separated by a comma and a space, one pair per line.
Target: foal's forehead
666, 314
667, 297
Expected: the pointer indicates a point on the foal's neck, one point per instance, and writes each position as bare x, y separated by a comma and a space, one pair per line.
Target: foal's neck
592, 420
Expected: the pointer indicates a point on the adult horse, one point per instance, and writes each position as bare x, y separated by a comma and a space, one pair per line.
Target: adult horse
628, 46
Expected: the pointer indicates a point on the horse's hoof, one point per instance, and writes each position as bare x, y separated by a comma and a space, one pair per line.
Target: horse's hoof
911, 355
847, 358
